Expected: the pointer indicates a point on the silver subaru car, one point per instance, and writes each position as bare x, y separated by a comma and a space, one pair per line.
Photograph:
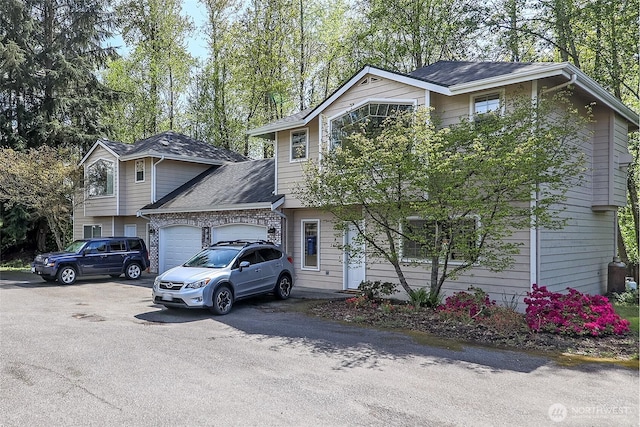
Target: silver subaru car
223, 273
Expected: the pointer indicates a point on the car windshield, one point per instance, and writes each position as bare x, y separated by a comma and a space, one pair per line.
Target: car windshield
75, 246
213, 258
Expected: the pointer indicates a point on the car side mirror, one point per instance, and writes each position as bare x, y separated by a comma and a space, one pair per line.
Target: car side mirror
85, 252
244, 264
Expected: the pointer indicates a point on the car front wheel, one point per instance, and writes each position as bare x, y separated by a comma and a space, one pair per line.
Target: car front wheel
67, 275
133, 271
283, 287
222, 300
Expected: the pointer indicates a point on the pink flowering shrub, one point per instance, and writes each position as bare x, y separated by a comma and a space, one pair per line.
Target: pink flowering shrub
573, 313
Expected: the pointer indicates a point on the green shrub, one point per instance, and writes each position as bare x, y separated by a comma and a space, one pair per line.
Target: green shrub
422, 298
628, 297
376, 290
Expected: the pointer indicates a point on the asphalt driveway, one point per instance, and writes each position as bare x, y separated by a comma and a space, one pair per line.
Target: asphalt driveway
99, 353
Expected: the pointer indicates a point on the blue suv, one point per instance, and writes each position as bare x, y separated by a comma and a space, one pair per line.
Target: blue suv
89, 257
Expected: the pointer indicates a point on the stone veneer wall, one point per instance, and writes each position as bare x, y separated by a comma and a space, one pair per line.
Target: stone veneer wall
207, 220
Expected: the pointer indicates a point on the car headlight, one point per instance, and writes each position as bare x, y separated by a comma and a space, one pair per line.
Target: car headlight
49, 264
198, 283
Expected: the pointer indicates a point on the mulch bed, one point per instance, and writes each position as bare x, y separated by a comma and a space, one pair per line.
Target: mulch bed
619, 347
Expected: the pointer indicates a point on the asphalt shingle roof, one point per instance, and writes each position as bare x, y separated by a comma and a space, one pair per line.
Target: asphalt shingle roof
238, 183
174, 145
449, 73
177, 145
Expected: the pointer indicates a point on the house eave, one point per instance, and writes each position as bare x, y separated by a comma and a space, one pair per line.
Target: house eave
154, 154
216, 208
92, 149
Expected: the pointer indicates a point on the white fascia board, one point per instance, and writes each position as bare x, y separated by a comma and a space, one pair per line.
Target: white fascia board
276, 127
275, 205
92, 149
216, 208
154, 154
509, 79
563, 69
378, 73
592, 87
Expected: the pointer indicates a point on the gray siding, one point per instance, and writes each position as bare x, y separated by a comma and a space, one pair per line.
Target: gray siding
171, 174
134, 195
107, 205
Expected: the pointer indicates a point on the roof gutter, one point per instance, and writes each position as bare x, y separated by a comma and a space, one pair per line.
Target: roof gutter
574, 78
153, 179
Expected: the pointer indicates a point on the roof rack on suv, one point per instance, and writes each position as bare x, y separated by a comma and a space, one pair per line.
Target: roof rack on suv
242, 242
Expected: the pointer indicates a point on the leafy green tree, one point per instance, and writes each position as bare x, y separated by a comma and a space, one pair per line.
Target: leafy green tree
407, 34
154, 74
42, 180
470, 185
50, 51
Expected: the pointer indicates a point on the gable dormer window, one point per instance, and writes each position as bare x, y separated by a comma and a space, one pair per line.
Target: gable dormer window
367, 118
140, 170
100, 178
299, 144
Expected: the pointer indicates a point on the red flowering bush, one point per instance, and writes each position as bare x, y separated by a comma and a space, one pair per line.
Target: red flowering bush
573, 313
465, 305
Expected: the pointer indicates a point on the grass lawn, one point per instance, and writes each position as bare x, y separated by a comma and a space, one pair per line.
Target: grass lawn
631, 313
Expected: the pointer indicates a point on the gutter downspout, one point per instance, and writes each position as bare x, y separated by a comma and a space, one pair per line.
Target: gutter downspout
283, 227
572, 80
153, 179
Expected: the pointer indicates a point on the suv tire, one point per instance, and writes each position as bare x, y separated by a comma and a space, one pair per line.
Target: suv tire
222, 300
67, 275
283, 287
133, 271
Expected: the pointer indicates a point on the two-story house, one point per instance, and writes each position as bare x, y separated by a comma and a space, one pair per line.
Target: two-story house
576, 256
120, 179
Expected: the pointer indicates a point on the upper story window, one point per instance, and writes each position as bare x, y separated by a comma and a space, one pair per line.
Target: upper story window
486, 103
100, 178
367, 118
458, 235
299, 144
140, 170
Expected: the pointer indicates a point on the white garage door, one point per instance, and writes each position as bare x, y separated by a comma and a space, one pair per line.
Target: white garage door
239, 232
177, 244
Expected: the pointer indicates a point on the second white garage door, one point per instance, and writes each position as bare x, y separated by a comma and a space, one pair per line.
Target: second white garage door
177, 244
239, 232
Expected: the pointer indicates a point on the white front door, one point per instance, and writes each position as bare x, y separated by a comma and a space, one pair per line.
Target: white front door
354, 266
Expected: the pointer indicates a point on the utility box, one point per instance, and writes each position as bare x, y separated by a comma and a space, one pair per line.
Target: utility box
616, 276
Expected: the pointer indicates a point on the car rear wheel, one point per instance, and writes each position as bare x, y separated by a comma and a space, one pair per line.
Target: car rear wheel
133, 271
222, 300
283, 287
67, 275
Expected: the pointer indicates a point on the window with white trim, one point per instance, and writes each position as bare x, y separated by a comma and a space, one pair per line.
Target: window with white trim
100, 178
310, 244
91, 231
434, 237
299, 144
368, 118
486, 103
140, 170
